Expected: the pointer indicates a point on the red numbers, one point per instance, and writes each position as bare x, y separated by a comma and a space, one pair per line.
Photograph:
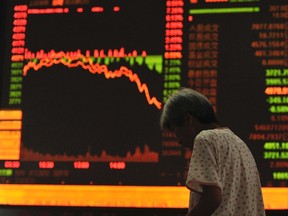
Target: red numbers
46, 164
81, 165
12, 164
117, 165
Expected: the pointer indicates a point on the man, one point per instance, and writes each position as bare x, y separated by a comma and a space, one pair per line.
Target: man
222, 178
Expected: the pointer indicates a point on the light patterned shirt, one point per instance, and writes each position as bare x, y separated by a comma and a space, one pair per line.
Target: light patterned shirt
222, 159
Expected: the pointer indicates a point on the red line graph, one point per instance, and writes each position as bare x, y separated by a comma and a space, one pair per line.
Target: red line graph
87, 64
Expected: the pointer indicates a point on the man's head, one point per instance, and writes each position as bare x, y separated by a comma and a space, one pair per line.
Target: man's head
185, 106
186, 101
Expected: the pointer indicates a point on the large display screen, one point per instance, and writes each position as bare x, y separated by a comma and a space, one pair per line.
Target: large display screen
83, 82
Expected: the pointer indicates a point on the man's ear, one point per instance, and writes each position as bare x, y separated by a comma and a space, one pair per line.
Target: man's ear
190, 119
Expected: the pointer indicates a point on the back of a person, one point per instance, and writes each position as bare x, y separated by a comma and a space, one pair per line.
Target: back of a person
241, 189
222, 177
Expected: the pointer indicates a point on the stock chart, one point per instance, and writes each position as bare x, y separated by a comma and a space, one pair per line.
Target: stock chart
83, 83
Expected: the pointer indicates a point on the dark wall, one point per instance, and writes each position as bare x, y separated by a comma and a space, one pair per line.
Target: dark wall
63, 211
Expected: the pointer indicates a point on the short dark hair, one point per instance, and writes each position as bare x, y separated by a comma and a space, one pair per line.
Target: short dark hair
186, 101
